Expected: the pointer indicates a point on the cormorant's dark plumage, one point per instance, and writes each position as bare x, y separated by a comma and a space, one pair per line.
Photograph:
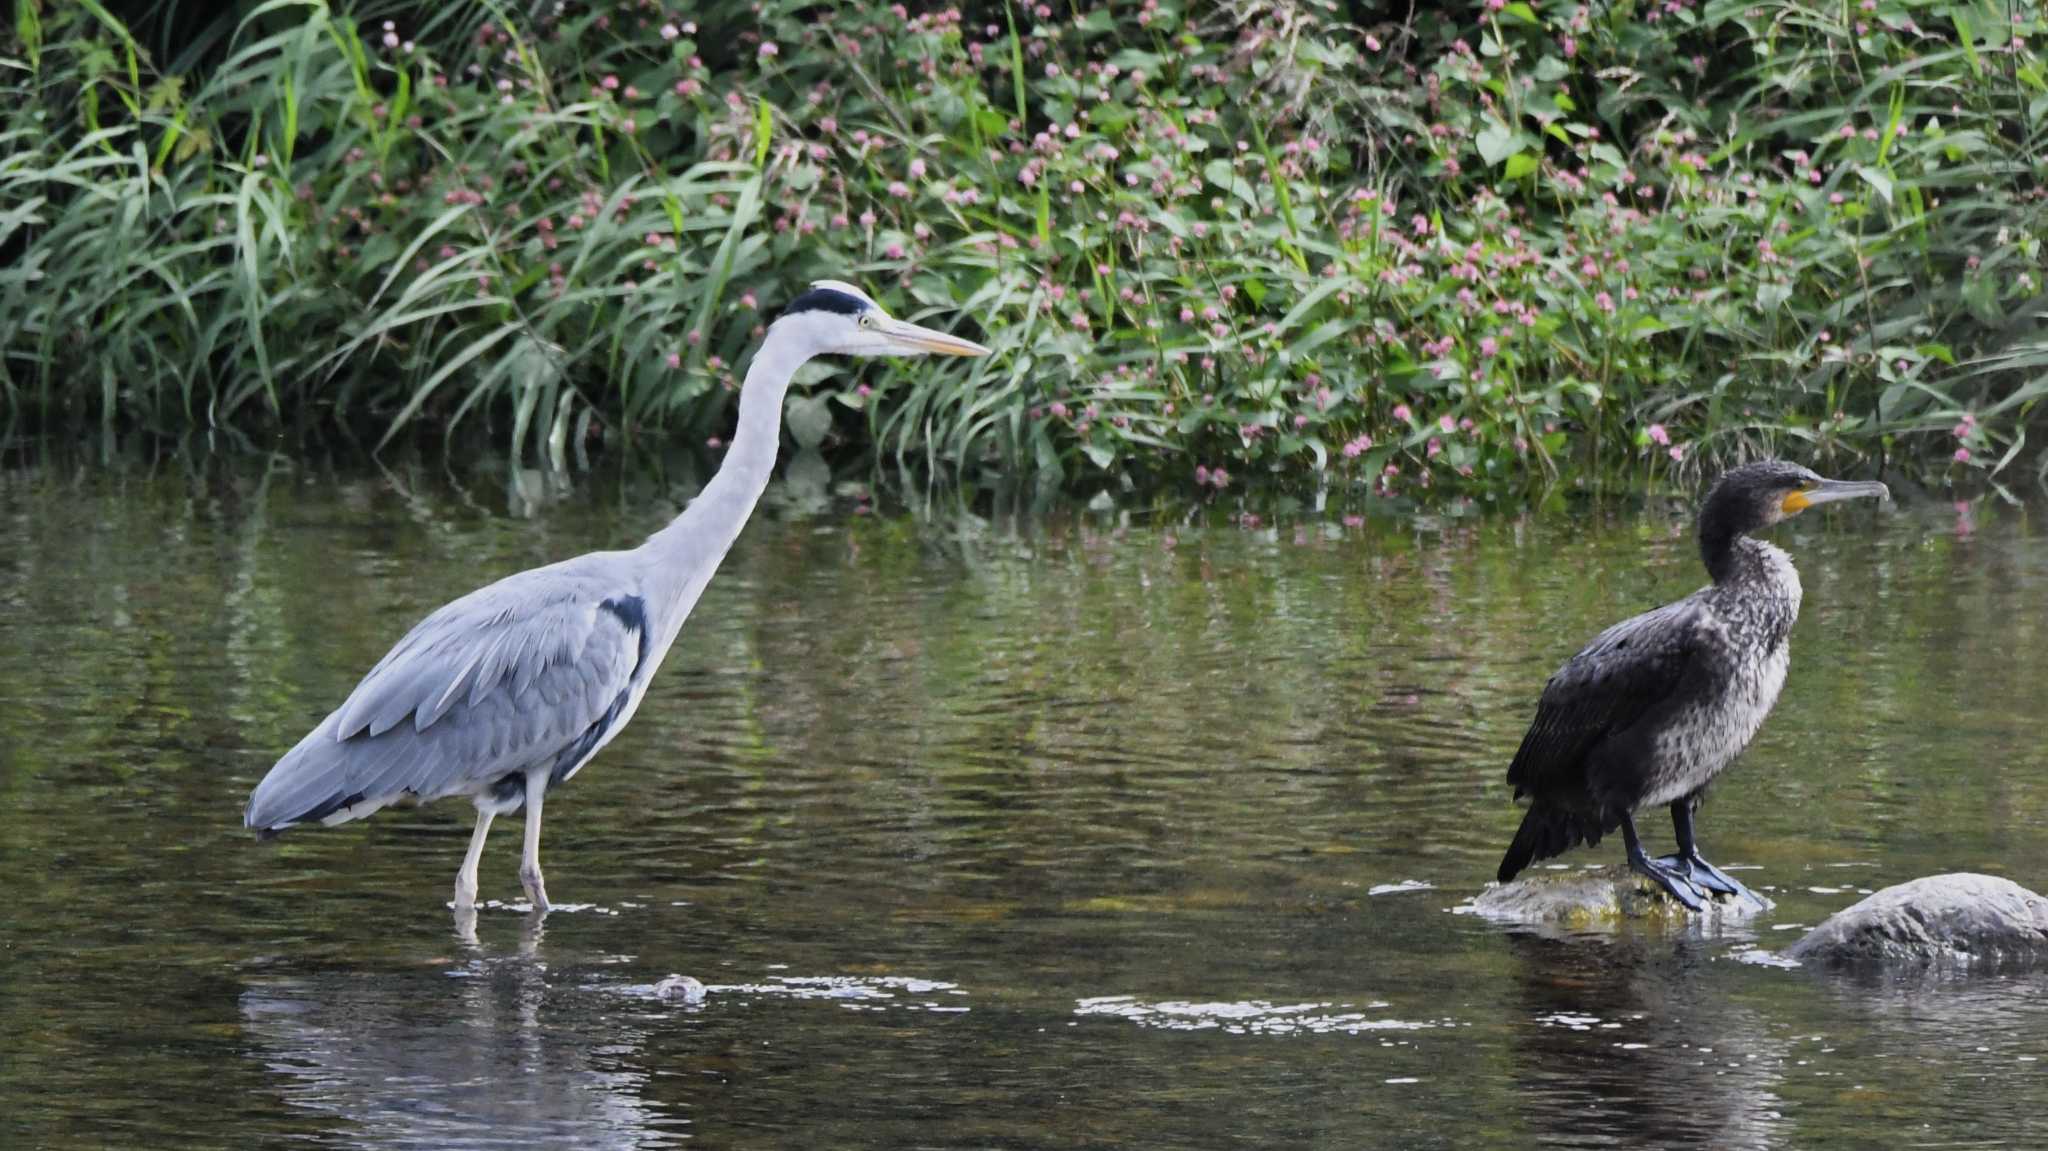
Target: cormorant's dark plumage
1657, 706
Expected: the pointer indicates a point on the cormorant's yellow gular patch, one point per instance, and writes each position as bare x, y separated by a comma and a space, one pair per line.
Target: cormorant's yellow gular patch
1795, 502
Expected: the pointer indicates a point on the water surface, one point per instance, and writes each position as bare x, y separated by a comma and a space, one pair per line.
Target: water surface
1111, 827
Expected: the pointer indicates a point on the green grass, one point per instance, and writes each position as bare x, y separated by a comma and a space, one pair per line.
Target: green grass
1516, 245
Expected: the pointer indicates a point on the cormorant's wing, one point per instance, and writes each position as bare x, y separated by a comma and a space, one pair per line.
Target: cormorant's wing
1627, 670
505, 679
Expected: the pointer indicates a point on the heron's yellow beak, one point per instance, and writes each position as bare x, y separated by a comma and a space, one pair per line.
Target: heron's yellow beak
911, 339
1828, 491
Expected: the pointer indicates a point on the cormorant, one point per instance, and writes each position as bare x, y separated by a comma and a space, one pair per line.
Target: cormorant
1656, 706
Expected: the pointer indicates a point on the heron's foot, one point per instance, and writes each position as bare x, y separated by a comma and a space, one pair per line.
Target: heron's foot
536, 887
465, 893
1673, 881
1707, 877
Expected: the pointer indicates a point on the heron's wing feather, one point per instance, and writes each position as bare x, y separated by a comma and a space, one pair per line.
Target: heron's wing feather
516, 628
529, 672
1614, 681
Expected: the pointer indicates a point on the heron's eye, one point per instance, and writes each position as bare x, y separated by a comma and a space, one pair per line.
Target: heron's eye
867, 319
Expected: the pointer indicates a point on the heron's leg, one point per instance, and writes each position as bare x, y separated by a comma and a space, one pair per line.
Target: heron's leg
1688, 863
1667, 878
465, 879
529, 865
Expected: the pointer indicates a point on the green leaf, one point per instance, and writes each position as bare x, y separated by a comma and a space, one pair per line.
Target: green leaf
1878, 179
808, 419
1520, 165
764, 130
1497, 142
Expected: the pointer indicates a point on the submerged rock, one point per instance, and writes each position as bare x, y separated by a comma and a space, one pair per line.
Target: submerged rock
681, 989
1960, 919
1595, 897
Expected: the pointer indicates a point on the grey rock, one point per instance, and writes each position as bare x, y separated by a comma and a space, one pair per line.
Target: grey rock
1595, 897
1955, 920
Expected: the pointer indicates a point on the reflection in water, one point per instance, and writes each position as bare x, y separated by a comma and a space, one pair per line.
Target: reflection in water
476, 1057
1619, 1043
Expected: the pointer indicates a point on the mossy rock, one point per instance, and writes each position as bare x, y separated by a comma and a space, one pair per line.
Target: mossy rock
1598, 897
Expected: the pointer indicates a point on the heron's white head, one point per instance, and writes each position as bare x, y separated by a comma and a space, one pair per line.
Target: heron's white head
836, 318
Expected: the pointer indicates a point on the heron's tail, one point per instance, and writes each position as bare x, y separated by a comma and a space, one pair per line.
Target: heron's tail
1546, 830
311, 784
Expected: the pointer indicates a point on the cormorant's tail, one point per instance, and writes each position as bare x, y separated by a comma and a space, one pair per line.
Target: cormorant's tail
1546, 830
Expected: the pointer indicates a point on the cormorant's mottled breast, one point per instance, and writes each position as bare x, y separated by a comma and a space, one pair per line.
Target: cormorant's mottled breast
1658, 705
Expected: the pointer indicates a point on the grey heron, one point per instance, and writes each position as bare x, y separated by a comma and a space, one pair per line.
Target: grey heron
1658, 705
508, 691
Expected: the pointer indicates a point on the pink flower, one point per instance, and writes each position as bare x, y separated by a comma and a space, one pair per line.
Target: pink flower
670, 32
611, 83
1447, 423
1658, 435
1678, 453
675, 359
1402, 413
769, 50
1358, 447
1962, 455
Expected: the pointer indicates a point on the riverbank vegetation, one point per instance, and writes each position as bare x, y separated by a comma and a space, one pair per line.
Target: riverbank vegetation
1211, 242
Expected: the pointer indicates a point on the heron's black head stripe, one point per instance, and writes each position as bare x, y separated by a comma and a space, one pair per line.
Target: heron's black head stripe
826, 300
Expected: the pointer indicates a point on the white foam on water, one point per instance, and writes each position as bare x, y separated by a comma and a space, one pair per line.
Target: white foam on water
1397, 888
858, 992
1253, 1016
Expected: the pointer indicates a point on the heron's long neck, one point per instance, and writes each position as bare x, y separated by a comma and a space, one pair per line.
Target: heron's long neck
683, 555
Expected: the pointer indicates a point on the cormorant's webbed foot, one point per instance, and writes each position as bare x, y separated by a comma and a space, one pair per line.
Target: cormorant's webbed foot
1672, 880
1707, 877
1687, 861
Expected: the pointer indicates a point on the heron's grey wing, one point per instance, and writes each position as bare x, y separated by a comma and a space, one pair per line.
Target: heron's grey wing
1606, 688
531, 671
